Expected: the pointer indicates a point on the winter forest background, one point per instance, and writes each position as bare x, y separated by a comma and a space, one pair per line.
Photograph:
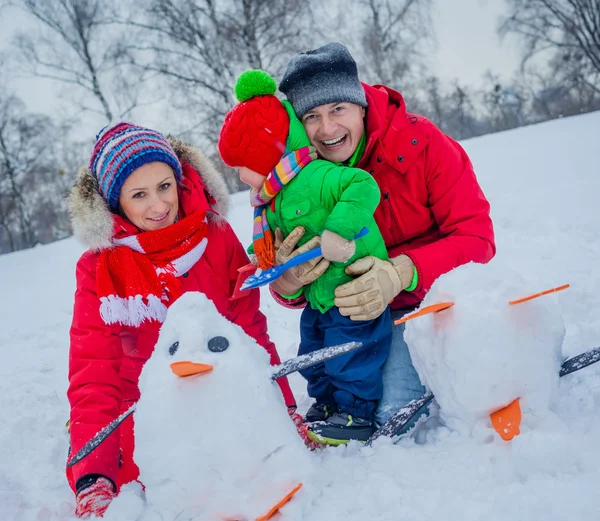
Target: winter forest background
178, 60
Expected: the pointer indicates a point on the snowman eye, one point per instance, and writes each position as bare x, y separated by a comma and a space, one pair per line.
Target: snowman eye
217, 344
174, 347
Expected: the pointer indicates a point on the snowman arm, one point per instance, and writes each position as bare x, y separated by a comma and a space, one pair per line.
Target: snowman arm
94, 391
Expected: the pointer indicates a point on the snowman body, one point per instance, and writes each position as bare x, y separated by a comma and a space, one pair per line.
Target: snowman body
217, 445
482, 353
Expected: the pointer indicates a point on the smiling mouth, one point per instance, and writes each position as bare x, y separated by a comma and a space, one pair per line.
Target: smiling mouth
338, 141
159, 219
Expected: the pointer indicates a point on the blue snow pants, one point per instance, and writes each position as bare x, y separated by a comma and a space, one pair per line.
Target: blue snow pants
401, 382
353, 381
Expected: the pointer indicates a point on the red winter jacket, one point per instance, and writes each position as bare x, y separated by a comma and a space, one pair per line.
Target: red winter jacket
105, 362
432, 207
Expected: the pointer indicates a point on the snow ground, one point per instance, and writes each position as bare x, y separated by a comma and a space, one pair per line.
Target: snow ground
543, 184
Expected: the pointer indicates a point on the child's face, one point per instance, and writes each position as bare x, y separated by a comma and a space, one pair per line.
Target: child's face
250, 177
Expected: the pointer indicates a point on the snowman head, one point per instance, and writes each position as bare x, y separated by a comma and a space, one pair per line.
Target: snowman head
197, 339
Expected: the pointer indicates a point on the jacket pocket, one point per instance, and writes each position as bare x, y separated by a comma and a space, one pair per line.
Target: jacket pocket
299, 212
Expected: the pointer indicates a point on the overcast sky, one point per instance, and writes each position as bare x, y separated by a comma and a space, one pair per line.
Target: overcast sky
468, 43
468, 46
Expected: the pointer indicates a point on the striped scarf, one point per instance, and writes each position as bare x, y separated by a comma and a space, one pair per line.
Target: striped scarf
289, 167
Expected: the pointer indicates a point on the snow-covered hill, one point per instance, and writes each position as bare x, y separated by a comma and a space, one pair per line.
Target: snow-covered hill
543, 183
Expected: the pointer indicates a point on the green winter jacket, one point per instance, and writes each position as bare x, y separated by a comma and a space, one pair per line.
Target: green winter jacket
324, 196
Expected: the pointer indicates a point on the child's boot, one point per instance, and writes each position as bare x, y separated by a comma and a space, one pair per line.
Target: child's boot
340, 428
319, 412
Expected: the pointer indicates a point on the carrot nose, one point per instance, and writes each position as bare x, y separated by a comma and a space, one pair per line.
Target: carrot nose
187, 368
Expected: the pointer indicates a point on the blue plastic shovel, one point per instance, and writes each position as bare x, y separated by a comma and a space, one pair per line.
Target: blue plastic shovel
268, 276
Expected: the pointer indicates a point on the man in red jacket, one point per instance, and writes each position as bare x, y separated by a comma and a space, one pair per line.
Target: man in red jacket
433, 214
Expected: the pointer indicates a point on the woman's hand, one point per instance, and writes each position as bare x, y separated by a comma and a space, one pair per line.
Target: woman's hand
95, 498
299, 276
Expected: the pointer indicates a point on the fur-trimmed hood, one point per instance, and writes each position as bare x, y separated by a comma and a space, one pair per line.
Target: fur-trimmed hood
91, 219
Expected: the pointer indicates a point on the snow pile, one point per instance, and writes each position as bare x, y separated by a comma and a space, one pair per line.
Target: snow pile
482, 353
218, 443
550, 472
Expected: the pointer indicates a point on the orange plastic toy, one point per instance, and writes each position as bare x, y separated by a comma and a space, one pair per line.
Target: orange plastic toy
280, 503
425, 311
187, 368
540, 294
507, 421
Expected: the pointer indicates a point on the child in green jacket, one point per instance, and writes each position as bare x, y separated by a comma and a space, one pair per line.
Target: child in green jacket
265, 141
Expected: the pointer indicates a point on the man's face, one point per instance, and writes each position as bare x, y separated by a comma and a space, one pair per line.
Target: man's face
335, 129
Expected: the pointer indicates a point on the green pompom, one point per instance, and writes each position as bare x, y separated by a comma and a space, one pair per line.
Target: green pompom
254, 82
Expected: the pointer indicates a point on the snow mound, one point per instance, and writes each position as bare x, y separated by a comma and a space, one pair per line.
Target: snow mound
482, 353
218, 443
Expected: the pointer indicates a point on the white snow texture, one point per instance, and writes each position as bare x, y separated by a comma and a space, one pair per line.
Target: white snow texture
482, 353
219, 443
543, 184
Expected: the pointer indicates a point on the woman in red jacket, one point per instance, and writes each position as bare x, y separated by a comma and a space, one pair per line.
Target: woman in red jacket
433, 214
150, 209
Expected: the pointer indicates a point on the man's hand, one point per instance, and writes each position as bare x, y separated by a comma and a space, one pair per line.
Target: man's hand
379, 281
297, 277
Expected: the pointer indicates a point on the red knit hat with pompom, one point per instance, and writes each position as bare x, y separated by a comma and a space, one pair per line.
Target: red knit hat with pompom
255, 131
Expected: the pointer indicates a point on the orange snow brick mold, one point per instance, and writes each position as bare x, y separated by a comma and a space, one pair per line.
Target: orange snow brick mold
187, 368
507, 421
280, 503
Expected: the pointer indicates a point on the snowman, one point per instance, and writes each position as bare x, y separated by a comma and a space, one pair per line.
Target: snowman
213, 437
490, 357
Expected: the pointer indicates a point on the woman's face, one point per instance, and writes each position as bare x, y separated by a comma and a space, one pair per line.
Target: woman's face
149, 196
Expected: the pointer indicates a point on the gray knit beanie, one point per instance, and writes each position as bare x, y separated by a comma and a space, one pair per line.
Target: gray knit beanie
321, 76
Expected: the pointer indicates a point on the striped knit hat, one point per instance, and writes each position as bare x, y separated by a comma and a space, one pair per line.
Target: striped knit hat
122, 148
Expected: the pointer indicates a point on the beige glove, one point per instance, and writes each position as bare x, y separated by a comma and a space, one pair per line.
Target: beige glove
297, 277
335, 248
366, 297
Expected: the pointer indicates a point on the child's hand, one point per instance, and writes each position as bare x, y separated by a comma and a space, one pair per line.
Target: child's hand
336, 248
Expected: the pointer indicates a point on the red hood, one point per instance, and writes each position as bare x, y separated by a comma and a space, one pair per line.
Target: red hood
385, 106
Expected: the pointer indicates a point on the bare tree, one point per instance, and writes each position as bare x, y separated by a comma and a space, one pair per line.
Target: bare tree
201, 46
504, 106
568, 29
32, 180
454, 111
395, 36
79, 43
